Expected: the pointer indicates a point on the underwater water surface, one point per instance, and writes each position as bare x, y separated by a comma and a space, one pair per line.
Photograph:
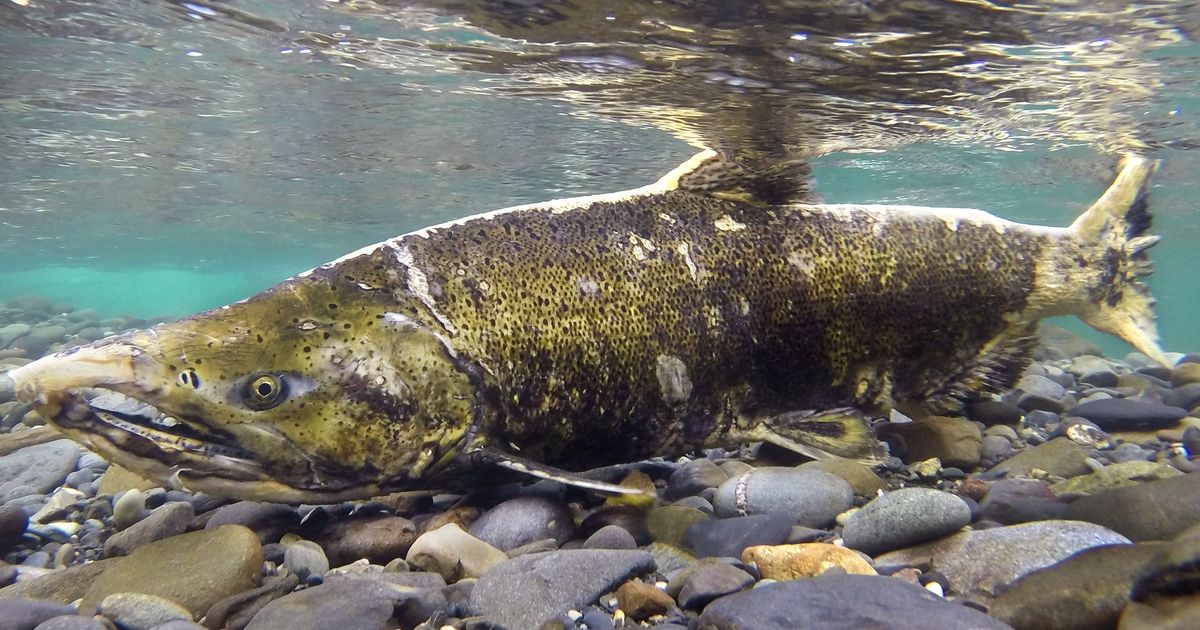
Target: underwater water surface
168, 157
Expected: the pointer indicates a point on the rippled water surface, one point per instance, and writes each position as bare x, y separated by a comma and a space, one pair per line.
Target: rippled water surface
162, 157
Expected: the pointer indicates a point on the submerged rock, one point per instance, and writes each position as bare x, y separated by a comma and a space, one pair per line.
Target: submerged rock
905, 517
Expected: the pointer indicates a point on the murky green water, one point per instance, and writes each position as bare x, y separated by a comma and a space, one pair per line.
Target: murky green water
166, 157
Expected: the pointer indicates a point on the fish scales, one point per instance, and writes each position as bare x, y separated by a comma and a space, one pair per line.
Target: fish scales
555, 338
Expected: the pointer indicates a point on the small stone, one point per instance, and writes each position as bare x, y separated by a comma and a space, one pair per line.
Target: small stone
710, 581
1059, 457
905, 517
524, 520
305, 559
1084, 591
1125, 414
642, 601
1184, 396
994, 448
927, 468
463, 516
357, 604
669, 524
954, 441
524, 592
842, 602
1118, 475
129, 509
170, 519
138, 611
793, 562
610, 537
812, 498
978, 562
117, 479
693, 477
236, 611
453, 553
1012, 501
37, 469
994, 412
1040, 386
537, 546
1184, 374
1154, 510
268, 520
26, 614
13, 522
75, 622
728, 537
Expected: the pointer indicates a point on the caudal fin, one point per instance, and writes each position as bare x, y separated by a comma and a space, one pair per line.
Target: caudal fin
1118, 222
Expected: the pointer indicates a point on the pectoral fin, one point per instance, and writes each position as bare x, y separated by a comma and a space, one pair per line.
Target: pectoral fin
826, 434
495, 457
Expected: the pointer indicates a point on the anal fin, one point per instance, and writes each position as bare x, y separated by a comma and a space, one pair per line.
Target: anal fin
495, 457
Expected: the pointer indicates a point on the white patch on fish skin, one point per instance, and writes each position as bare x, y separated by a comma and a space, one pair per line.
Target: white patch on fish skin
673, 381
799, 261
666, 217
404, 322
727, 223
744, 304
687, 260
587, 286
952, 217
418, 285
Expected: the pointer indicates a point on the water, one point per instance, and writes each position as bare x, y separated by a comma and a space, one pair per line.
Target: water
166, 157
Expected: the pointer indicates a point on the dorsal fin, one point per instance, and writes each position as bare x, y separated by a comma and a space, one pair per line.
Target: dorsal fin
758, 181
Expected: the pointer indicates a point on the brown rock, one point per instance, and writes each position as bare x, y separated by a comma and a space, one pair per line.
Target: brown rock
117, 479
860, 476
194, 570
1177, 613
955, 441
1060, 457
236, 611
642, 601
461, 516
670, 523
65, 586
792, 562
1185, 373
379, 539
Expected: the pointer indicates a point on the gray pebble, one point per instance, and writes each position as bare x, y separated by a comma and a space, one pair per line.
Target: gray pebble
812, 498
305, 558
610, 537
129, 508
710, 581
71, 622
171, 519
993, 449
1129, 452
523, 520
905, 517
25, 614
139, 611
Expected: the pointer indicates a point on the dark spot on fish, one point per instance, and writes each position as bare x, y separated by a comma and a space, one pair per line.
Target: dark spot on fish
308, 348
260, 339
333, 307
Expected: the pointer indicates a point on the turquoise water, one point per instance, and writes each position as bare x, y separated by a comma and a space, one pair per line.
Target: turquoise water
164, 158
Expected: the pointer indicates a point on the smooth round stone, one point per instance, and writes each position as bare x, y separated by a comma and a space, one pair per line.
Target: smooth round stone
905, 517
1154, 510
74, 622
610, 537
128, 509
693, 477
1125, 414
1012, 501
25, 614
268, 520
812, 498
642, 601
710, 581
728, 537
305, 558
1111, 477
357, 604
524, 520
953, 441
169, 519
1184, 396
669, 524
37, 469
861, 478
138, 611
842, 602
1060, 457
807, 560
13, 521
994, 448
454, 554
1043, 386
696, 503
994, 412
379, 539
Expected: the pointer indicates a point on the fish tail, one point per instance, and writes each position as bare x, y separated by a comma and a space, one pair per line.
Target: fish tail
1119, 303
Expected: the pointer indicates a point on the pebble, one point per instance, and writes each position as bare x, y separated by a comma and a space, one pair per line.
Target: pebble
669, 524
524, 520
905, 517
379, 539
75, 622
641, 601
861, 478
138, 611
1127, 452
812, 498
360, 604
692, 478
994, 412
1154, 510
842, 602
1059, 457
1182, 374
306, 559
1126, 414
13, 521
709, 581
37, 469
728, 537
170, 519
1084, 591
454, 554
979, 562
994, 449
235, 611
954, 441
268, 520
1012, 501
610, 537
524, 592
1118, 475
1184, 396
793, 562
26, 614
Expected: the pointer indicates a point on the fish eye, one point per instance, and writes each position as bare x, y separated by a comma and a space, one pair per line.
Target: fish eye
264, 391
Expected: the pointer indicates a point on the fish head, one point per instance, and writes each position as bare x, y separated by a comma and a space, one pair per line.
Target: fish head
310, 392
